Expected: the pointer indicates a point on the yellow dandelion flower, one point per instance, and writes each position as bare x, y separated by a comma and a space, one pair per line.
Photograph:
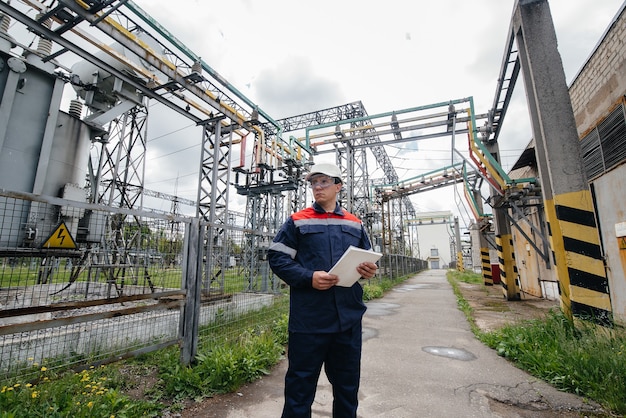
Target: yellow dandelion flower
10, 388
87, 386
30, 359
100, 392
28, 385
90, 404
44, 368
34, 395
17, 385
4, 389
36, 364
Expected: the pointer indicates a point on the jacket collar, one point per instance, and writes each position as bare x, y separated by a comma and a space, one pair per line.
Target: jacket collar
319, 209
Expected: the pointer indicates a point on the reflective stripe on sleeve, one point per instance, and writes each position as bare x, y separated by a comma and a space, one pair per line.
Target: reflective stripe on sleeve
282, 248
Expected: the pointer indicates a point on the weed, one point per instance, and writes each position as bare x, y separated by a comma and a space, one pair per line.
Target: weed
89, 393
575, 356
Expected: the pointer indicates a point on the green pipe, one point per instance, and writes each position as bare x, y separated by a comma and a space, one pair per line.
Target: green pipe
382, 115
171, 38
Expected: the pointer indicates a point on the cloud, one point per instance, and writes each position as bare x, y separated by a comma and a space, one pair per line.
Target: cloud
292, 88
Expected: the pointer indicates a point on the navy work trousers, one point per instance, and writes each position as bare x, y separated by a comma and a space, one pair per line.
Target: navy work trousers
340, 353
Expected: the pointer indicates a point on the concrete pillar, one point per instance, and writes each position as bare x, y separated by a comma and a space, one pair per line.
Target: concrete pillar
569, 207
504, 240
485, 260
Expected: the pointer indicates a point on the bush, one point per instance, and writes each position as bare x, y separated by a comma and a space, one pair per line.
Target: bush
225, 364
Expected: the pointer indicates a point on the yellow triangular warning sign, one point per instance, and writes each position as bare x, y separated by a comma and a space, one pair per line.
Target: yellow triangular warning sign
60, 238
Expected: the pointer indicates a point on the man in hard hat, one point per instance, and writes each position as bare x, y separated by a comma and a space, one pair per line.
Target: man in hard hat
324, 319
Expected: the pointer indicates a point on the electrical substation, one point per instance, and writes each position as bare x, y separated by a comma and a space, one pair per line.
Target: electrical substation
86, 266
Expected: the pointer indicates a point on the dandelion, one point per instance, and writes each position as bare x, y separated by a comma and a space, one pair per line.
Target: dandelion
28, 385
34, 394
31, 359
17, 385
90, 404
44, 368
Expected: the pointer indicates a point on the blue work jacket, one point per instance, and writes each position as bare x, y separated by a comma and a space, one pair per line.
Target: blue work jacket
311, 240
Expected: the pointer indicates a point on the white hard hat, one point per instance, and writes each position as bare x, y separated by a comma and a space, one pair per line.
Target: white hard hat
331, 170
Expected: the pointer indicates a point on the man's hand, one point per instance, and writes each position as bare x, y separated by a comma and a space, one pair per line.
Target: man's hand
324, 281
367, 270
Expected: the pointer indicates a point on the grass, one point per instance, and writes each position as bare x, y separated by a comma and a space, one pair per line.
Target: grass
454, 277
226, 360
90, 393
229, 355
580, 357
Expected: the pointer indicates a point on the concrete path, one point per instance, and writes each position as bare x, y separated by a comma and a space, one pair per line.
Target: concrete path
420, 359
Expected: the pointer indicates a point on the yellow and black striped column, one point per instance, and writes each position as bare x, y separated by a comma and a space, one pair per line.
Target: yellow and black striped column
577, 253
508, 269
486, 266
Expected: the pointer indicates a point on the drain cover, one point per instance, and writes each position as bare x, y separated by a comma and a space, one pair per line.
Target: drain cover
455, 353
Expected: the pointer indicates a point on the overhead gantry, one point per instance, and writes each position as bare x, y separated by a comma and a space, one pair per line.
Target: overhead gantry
128, 59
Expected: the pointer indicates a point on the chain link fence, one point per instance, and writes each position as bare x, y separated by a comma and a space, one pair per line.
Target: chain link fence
84, 284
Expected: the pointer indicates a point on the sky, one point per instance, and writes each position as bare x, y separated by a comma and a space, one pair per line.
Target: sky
293, 57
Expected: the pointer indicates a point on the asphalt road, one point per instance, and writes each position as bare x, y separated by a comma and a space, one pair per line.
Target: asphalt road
420, 359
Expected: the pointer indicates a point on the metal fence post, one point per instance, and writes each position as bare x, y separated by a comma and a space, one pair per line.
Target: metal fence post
192, 284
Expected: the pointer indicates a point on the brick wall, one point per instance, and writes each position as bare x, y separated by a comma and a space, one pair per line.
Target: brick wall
601, 83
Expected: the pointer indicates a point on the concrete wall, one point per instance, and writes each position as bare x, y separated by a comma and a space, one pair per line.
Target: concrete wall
537, 278
599, 87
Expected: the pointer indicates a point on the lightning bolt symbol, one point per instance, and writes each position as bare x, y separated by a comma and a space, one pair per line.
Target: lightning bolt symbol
61, 235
